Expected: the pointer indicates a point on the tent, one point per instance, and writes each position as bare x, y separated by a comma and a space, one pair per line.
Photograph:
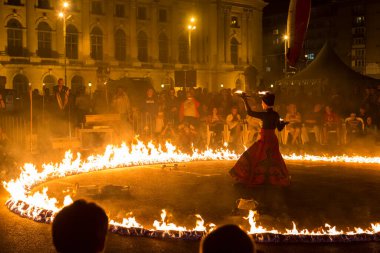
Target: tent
329, 69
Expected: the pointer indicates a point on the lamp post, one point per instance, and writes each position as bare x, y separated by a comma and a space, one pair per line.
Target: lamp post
286, 38
63, 14
191, 27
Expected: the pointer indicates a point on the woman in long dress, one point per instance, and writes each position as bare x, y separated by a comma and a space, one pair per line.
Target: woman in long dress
262, 163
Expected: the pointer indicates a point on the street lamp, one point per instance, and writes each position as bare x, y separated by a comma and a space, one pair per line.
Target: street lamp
190, 27
63, 15
286, 39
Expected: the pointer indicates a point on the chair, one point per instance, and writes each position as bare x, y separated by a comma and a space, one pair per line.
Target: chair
305, 131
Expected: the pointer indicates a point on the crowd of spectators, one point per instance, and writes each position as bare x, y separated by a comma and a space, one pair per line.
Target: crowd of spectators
195, 117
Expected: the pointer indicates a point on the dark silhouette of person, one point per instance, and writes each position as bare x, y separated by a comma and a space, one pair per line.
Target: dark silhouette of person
227, 239
80, 227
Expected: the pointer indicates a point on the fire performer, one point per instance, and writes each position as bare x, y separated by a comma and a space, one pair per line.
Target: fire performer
262, 163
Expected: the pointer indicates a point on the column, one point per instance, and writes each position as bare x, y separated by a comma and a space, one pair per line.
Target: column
85, 31
227, 38
31, 34
243, 55
154, 35
3, 30
109, 33
132, 31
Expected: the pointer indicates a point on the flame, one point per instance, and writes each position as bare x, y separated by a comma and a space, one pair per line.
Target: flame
38, 204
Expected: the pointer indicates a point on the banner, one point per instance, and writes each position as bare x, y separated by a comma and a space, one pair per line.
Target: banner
298, 21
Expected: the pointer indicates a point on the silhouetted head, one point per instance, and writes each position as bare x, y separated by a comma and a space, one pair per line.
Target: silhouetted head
80, 227
60, 82
227, 239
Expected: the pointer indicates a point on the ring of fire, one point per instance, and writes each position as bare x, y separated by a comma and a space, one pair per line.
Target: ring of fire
41, 208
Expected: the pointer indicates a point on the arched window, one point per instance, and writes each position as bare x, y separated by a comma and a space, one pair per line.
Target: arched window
96, 37
183, 49
14, 2
163, 48
44, 40
142, 47
72, 39
120, 45
77, 85
20, 85
43, 4
14, 38
234, 51
49, 82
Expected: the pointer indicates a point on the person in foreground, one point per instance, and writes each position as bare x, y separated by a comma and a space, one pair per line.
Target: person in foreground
262, 163
80, 227
227, 239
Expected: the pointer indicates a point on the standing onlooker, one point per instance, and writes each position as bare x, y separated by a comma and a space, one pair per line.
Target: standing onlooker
80, 227
172, 107
189, 112
121, 104
227, 239
2, 103
60, 108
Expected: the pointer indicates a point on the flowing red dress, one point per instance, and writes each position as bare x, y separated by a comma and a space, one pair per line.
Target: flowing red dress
262, 163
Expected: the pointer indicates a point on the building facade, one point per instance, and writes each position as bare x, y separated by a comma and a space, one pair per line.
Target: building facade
351, 26
112, 39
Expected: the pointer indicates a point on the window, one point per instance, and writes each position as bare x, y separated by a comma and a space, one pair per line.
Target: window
163, 48
235, 22
141, 13
43, 4
14, 38
96, 38
14, 2
77, 85
50, 82
359, 20
72, 42
120, 10
310, 56
234, 51
162, 16
120, 45
96, 7
142, 47
44, 40
183, 49
20, 85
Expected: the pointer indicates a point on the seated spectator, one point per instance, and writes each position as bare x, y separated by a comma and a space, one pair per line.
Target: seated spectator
312, 123
216, 124
233, 121
331, 123
254, 124
354, 126
80, 228
370, 128
363, 114
227, 239
294, 119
